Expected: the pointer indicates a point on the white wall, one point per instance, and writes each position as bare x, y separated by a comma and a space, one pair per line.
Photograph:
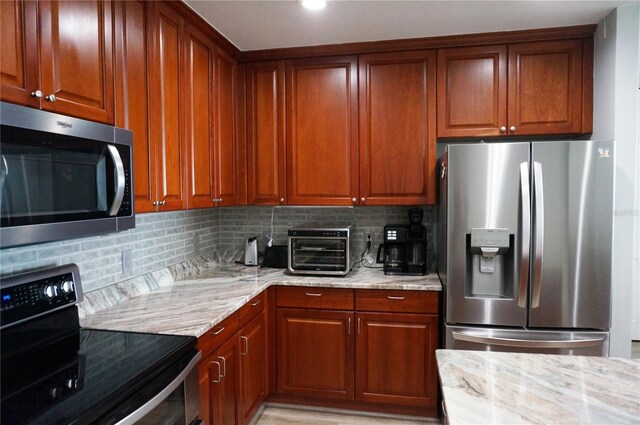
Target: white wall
616, 117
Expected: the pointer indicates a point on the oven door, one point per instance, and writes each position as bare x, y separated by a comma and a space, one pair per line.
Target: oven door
172, 403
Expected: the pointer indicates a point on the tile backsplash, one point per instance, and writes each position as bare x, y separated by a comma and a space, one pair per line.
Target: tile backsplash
163, 239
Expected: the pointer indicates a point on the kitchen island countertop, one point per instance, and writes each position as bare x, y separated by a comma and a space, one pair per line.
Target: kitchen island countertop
193, 304
481, 387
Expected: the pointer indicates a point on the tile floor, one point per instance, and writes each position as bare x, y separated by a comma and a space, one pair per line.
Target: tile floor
275, 414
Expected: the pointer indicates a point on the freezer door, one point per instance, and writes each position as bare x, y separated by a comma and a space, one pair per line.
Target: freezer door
527, 341
571, 234
487, 271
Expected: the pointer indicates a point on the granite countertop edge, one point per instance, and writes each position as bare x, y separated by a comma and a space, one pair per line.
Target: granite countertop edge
174, 302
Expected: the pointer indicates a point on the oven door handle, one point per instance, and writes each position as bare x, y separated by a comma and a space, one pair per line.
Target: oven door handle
162, 395
119, 180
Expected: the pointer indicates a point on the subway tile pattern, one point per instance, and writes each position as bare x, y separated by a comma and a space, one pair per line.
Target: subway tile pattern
157, 241
163, 239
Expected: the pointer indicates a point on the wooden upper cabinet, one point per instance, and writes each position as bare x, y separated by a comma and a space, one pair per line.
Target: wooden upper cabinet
472, 91
132, 95
228, 152
322, 131
77, 65
265, 133
517, 89
397, 128
74, 73
167, 96
199, 107
19, 68
545, 87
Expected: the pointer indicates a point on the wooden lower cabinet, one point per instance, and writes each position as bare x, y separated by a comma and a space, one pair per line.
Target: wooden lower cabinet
395, 358
315, 353
253, 368
218, 385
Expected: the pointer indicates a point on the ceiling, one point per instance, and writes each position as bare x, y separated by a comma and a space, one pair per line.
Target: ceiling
266, 24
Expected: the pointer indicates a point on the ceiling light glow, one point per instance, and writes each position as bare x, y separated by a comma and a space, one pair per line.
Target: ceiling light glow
314, 4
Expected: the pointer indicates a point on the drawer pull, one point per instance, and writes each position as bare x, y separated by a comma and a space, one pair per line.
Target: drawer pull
311, 294
219, 378
395, 298
219, 331
255, 303
223, 361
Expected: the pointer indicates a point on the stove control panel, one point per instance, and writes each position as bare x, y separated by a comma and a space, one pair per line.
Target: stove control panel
34, 294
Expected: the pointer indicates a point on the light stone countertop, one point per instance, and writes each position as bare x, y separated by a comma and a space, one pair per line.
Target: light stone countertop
515, 388
196, 303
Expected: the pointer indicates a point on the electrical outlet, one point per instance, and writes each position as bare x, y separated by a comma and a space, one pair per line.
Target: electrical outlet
127, 261
368, 237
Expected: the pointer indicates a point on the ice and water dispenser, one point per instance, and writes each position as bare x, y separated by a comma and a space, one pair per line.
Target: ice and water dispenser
490, 262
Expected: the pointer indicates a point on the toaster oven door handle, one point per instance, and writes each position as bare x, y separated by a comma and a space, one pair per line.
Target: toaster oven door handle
118, 180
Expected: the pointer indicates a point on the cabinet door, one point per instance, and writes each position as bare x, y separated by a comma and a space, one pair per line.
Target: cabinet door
223, 384
315, 353
167, 33
265, 133
322, 131
199, 104
19, 68
472, 91
253, 367
395, 361
397, 128
227, 152
545, 87
132, 95
76, 56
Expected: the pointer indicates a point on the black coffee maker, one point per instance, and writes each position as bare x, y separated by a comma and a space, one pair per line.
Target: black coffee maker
405, 247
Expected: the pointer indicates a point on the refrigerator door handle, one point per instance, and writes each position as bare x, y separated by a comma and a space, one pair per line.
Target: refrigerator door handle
525, 211
538, 193
527, 343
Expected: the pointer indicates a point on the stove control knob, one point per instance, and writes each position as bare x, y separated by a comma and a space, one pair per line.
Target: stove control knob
66, 286
55, 392
50, 291
72, 383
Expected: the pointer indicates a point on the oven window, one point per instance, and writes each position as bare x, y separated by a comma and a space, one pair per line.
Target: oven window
170, 412
46, 178
319, 254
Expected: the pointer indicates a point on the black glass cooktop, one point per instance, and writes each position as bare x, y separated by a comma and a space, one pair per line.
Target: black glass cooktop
84, 376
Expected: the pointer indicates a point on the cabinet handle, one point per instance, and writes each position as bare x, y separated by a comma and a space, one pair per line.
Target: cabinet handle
255, 303
503, 129
363, 199
155, 203
281, 200
246, 345
311, 294
512, 128
219, 370
349, 326
219, 331
51, 97
163, 203
36, 94
395, 298
353, 200
358, 326
224, 366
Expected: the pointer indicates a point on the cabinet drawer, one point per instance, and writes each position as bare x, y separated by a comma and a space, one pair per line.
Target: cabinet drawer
218, 335
252, 308
397, 300
311, 297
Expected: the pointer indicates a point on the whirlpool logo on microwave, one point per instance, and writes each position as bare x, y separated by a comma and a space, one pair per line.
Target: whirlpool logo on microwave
64, 124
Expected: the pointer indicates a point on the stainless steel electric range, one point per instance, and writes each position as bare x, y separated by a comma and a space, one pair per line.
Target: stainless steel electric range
56, 372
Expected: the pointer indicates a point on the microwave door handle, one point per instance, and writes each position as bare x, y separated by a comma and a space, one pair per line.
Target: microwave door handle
525, 223
119, 180
538, 194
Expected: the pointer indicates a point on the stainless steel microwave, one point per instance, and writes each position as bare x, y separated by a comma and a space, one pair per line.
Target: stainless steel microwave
62, 177
322, 250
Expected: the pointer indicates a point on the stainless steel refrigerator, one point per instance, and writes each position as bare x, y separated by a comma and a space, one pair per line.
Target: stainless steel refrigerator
525, 246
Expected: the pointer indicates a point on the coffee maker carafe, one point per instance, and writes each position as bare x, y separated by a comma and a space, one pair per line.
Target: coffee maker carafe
404, 250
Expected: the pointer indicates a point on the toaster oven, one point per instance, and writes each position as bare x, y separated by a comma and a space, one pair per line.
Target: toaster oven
320, 249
